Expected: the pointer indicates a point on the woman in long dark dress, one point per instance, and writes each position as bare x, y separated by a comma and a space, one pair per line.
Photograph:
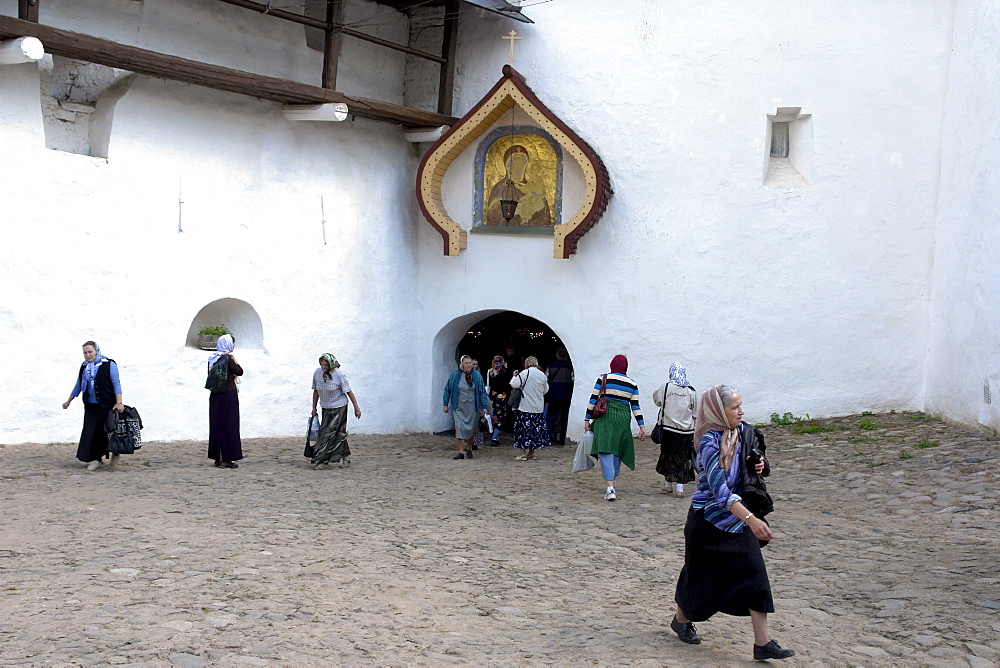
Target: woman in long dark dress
723, 567
102, 393
224, 410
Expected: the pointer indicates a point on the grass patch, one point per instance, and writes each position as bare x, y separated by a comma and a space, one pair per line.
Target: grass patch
873, 465
903, 454
868, 424
787, 419
927, 443
918, 415
812, 428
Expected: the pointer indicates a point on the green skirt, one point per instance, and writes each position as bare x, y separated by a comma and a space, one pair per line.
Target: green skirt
613, 433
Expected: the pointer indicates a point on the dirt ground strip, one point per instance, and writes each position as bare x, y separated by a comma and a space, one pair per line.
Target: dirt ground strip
886, 554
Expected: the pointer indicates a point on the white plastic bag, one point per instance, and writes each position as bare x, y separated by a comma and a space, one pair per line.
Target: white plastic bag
583, 461
312, 431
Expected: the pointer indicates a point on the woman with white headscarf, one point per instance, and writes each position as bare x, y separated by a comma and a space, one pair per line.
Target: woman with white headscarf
677, 401
723, 566
224, 444
102, 392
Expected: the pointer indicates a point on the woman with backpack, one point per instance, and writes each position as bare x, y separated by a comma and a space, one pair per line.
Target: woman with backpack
102, 392
224, 444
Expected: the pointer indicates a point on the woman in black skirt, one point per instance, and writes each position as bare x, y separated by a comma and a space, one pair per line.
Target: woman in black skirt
723, 566
98, 382
224, 410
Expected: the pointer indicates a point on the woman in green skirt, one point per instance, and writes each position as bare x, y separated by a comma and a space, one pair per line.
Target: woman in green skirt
613, 443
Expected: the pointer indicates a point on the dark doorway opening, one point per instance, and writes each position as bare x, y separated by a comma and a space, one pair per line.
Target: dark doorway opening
528, 337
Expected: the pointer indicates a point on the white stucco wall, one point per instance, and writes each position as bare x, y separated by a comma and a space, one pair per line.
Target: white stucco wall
964, 347
813, 301
826, 300
92, 250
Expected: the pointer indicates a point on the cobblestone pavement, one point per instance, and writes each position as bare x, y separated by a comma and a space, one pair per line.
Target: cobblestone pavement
886, 554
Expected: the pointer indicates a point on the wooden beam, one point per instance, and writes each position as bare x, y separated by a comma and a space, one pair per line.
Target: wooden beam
334, 39
28, 10
449, 50
316, 23
105, 52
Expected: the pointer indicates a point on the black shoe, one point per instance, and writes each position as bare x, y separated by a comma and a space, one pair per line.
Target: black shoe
218, 465
230, 465
687, 633
495, 442
468, 454
771, 650
459, 456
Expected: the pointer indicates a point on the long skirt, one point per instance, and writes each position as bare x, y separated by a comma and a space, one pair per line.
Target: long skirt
224, 427
530, 432
723, 572
613, 433
676, 452
501, 411
331, 445
93, 438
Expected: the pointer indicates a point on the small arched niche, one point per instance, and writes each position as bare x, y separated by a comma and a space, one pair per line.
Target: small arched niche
237, 315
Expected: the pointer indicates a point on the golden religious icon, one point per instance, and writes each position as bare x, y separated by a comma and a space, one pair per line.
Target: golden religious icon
523, 167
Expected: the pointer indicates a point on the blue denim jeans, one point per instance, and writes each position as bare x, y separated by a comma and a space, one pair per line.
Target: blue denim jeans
611, 466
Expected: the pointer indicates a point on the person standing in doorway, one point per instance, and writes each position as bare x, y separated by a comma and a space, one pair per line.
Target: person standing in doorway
331, 390
560, 377
613, 444
465, 397
499, 389
102, 392
224, 445
677, 401
530, 433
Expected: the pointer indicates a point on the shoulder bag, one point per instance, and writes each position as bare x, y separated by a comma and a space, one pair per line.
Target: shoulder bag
755, 496
657, 434
514, 399
601, 407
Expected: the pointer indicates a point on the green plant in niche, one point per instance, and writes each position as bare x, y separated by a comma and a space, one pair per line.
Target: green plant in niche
220, 330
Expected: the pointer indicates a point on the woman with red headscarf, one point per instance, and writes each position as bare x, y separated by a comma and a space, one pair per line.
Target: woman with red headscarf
613, 443
723, 566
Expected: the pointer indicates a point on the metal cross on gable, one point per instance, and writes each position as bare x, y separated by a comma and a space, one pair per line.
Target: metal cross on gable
512, 35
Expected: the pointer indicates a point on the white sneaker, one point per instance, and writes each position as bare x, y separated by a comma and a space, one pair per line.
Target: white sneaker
92, 466
610, 494
114, 460
679, 490
667, 487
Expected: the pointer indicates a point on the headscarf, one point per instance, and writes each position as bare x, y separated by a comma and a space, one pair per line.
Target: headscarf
679, 375
223, 346
90, 368
712, 417
497, 363
332, 361
619, 364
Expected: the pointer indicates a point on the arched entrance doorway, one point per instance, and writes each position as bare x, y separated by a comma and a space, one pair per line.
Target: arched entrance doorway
515, 336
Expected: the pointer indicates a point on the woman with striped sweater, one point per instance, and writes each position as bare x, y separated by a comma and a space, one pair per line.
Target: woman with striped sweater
613, 443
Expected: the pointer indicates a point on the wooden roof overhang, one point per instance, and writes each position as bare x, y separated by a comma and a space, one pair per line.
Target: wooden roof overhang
501, 7
511, 91
107, 52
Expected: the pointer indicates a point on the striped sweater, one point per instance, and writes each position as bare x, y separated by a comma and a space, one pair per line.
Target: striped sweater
620, 388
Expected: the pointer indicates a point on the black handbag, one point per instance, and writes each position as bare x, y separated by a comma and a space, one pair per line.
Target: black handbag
309, 451
755, 495
123, 431
657, 434
514, 398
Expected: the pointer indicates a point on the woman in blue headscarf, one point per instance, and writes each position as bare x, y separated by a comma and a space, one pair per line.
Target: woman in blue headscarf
677, 401
224, 444
102, 393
